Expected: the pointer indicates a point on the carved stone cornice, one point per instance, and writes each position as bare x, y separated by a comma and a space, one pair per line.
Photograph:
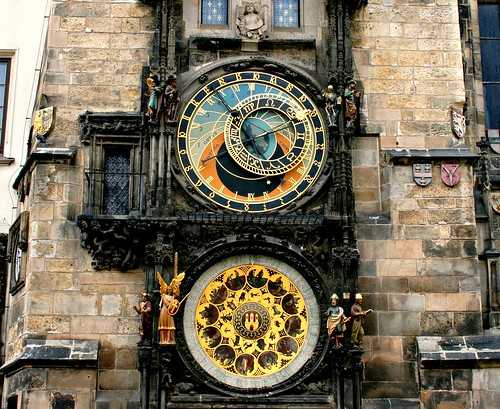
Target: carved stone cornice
109, 123
127, 243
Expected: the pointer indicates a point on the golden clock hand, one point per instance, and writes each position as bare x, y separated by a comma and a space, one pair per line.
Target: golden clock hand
232, 111
278, 128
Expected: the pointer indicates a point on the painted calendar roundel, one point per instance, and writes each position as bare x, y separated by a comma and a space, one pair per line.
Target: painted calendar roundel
251, 141
251, 321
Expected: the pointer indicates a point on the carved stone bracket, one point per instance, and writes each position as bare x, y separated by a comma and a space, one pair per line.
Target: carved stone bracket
120, 123
129, 243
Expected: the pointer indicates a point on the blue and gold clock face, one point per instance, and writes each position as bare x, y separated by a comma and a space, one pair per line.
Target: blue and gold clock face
251, 141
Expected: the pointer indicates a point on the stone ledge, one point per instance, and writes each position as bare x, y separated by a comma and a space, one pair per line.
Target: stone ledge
429, 155
389, 403
54, 353
6, 161
46, 155
458, 352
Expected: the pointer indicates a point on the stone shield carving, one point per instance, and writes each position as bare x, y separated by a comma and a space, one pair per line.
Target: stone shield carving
422, 173
42, 123
450, 174
458, 123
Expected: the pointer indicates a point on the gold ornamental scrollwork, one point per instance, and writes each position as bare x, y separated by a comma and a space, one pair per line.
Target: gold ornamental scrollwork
251, 320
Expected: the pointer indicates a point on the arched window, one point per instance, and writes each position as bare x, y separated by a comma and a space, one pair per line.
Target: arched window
214, 12
286, 13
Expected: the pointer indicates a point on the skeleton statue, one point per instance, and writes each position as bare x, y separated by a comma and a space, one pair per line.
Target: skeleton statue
331, 105
251, 19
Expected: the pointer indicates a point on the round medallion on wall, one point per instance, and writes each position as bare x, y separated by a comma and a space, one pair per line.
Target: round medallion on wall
251, 141
247, 323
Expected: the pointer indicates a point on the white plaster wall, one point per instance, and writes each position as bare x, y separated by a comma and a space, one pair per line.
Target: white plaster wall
22, 36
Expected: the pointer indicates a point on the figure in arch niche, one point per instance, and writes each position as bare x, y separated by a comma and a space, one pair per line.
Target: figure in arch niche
252, 19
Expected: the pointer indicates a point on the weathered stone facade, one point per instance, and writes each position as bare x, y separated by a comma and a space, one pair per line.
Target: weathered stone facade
418, 246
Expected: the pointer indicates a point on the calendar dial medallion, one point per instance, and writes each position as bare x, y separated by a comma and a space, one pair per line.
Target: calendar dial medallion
251, 141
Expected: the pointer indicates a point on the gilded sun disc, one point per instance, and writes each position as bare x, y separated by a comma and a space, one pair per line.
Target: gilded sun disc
251, 320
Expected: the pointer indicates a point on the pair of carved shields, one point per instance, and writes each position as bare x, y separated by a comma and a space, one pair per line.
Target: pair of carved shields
422, 173
42, 123
450, 174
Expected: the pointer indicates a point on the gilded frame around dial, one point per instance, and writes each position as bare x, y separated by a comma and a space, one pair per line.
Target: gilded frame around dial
252, 140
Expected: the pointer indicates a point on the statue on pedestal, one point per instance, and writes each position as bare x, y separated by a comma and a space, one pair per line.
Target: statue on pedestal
251, 20
145, 310
163, 99
332, 104
351, 96
335, 323
358, 316
169, 306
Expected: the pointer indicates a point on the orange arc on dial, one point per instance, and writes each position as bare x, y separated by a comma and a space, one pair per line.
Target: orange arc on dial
208, 170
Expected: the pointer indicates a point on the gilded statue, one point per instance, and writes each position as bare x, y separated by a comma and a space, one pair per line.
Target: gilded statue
335, 323
358, 316
145, 310
251, 20
169, 306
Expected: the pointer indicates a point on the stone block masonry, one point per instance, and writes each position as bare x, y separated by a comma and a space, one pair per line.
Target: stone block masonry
409, 58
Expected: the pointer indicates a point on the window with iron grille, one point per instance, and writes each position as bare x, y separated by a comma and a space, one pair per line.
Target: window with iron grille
114, 155
4, 93
286, 13
116, 180
489, 31
214, 12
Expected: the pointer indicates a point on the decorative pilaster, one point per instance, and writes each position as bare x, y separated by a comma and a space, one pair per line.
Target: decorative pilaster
161, 110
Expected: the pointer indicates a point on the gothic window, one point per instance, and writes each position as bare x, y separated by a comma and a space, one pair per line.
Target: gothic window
4, 88
114, 163
214, 12
489, 30
116, 180
286, 13
17, 246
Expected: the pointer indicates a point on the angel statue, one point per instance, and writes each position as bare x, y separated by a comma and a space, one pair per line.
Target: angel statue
169, 306
251, 20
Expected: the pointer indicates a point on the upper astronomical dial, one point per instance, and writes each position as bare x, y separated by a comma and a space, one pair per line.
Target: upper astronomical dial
251, 141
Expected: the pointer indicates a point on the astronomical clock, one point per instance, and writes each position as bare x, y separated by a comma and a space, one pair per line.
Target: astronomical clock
240, 212
251, 141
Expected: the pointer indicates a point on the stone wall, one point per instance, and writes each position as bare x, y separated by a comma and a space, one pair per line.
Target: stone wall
418, 249
408, 55
459, 372
419, 273
95, 54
